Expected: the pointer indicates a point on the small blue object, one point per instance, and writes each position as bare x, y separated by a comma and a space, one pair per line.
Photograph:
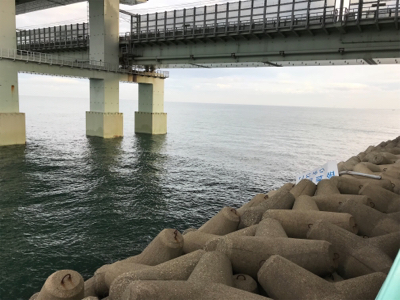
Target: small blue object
390, 289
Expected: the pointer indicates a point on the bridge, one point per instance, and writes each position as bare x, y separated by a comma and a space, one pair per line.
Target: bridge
270, 33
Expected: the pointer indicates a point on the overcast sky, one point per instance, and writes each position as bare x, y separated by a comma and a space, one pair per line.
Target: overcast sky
364, 86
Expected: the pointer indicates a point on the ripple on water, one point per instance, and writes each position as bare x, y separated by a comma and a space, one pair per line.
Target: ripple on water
73, 202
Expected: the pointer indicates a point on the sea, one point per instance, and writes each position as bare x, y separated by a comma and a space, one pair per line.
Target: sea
68, 201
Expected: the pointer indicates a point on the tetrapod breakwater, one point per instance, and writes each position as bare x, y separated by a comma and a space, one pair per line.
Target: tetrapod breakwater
336, 239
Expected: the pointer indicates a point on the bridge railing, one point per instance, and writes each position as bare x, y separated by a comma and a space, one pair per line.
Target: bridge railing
252, 15
57, 37
44, 58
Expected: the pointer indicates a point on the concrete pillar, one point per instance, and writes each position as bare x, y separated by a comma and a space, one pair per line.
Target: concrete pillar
12, 123
104, 119
151, 118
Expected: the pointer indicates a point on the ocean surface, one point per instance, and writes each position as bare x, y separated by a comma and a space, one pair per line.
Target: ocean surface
72, 202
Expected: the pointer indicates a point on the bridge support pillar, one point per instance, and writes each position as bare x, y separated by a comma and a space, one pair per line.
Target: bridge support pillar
151, 118
103, 119
12, 122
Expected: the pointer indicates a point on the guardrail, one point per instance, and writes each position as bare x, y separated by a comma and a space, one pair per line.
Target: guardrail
329, 15
44, 58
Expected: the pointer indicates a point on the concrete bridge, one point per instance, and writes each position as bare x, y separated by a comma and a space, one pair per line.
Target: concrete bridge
240, 34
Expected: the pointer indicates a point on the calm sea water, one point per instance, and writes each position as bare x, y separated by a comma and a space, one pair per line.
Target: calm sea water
68, 201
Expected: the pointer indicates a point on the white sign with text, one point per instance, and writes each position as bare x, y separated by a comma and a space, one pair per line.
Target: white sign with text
324, 172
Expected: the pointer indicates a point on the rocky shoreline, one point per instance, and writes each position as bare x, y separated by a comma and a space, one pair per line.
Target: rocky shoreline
334, 240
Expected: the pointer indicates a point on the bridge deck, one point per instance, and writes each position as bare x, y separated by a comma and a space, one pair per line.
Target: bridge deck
47, 59
241, 22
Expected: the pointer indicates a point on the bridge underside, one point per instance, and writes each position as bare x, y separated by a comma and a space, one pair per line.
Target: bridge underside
358, 44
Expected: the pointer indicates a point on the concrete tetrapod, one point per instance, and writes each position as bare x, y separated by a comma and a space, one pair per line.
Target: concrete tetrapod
283, 279
332, 202
304, 187
296, 223
356, 255
386, 184
224, 222
256, 200
347, 185
326, 187
168, 244
245, 282
380, 158
34, 296
211, 245
100, 283
195, 240
213, 267
370, 222
176, 269
388, 243
349, 164
385, 201
248, 253
395, 216
305, 203
282, 199
62, 285
270, 228
183, 290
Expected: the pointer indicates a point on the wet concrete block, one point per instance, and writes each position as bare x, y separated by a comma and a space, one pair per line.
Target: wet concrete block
213, 267
363, 287
386, 184
370, 222
256, 200
248, 231
326, 187
349, 164
304, 187
334, 277
395, 216
176, 269
356, 256
226, 221
196, 240
385, 201
99, 284
388, 243
247, 254
182, 290
270, 228
332, 202
297, 223
282, 279
379, 158
168, 244
245, 282
305, 203
347, 185
34, 296
64, 284
283, 199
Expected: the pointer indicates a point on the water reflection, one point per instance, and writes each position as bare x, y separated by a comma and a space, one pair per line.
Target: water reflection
149, 167
13, 180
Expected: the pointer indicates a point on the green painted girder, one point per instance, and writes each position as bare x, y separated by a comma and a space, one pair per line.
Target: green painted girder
366, 40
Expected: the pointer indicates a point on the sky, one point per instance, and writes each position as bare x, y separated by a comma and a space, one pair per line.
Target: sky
366, 86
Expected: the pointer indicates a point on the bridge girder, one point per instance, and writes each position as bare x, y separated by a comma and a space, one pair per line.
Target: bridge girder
283, 48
